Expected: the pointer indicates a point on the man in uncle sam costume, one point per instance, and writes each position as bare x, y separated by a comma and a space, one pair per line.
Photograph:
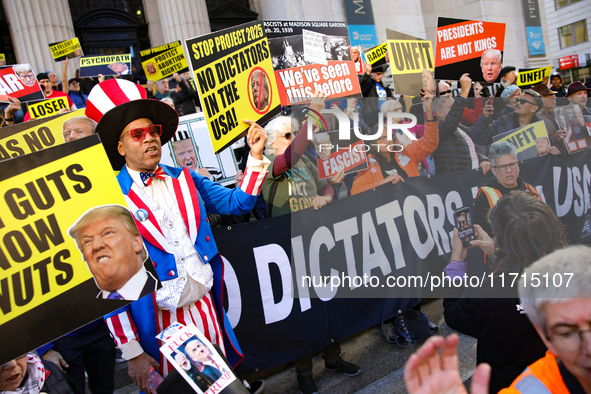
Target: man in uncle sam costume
170, 208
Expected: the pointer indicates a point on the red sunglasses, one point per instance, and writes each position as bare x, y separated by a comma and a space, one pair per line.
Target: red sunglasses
139, 134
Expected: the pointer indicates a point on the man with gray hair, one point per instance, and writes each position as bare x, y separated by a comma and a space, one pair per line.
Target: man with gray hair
505, 168
25, 74
78, 127
524, 114
491, 62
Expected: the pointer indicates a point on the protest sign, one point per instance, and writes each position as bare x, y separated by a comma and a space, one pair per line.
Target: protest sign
197, 361
191, 147
33, 136
310, 56
336, 155
570, 119
163, 61
377, 56
533, 76
48, 107
409, 56
47, 288
19, 81
91, 66
68, 49
234, 75
460, 45
529, 141
357, 59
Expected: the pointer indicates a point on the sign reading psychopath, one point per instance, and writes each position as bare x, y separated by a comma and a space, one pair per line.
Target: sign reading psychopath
33, 136
310, 56
48, 107
469, 46
68, 49
45, 280
529, 141
19, 81
533, 76
163, 61
234, 75
92, 66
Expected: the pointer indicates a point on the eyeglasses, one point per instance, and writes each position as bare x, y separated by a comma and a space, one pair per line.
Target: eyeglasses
567, 340
74, 83
445, 93
503, 167
287, 136
139, 134
523, 101
27, 76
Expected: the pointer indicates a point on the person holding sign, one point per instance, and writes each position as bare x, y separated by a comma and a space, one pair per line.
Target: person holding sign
170, 208
48, 91
547, 115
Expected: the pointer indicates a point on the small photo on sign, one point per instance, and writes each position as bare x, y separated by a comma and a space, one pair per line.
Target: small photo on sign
259, 92
112, 247
92, 66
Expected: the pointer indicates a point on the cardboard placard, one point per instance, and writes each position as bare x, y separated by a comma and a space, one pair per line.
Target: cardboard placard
48, 107
310, 56
336, 155
163, 61
19, 81
460, 45
533, 76
377, 56
235, 80
570, 119
529, 141
45, 281
33, 136
67, 49
92, 66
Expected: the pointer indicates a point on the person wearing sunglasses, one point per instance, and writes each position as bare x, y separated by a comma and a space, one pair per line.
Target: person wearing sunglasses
524, 114
170, 207
505, 168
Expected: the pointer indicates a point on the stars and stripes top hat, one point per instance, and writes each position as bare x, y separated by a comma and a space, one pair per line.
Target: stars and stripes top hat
115, 103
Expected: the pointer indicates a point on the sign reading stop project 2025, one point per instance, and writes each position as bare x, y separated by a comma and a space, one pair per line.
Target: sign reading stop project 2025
234, 75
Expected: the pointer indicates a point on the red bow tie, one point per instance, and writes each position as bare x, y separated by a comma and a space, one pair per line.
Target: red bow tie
147, 176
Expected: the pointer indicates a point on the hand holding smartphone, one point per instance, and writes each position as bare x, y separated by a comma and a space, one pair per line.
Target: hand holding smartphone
463, 221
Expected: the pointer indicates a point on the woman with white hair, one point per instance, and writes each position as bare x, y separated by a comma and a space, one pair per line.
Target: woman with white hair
505, 168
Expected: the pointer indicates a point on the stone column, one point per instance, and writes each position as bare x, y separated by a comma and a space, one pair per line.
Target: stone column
179, 20
36, 24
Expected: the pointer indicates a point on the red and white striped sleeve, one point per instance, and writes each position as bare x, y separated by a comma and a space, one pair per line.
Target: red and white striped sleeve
254, 175
124, 333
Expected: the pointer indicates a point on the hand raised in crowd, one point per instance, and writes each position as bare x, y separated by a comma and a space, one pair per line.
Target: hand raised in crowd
465, 84
321, 201
318, 99
485, 165
477, 89
12, 107
177, 77
256, 138
427, 372
483, 241
458, 252
428, 104
338, 178
488, 109
368, 68
56, 358
138, 369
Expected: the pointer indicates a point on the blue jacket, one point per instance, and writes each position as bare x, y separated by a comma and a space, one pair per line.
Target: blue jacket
78, 98
485, 129
214, 198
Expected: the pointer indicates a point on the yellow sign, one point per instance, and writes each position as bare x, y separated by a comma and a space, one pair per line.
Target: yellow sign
377, 54
89, 61
39, 261
39, 134
163, 61
234, 74
410, 56
530, 77
2, 57
48, 107
65, 49
529, 141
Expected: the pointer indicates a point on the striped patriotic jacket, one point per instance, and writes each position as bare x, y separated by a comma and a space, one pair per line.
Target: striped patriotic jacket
195, 195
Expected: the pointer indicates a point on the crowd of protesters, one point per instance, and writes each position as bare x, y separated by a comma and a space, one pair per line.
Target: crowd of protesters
517, 231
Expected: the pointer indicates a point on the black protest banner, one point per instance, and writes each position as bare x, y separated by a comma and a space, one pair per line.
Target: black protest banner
400, 231
19, 81
163, 61
234, 75
469, 46
33, 136
46, 287
309, 56
91, 66
67, 49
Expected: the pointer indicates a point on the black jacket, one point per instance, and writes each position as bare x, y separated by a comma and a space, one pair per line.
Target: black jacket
183, 100
57, 382
370, 106
453, 153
